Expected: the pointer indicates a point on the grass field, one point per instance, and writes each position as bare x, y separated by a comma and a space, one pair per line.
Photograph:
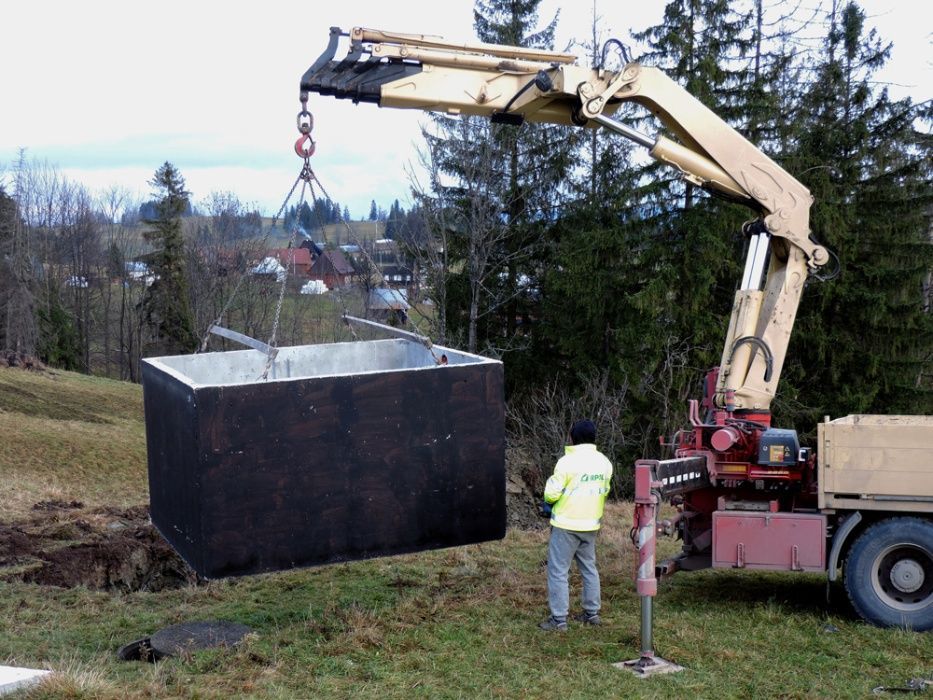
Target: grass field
444, 624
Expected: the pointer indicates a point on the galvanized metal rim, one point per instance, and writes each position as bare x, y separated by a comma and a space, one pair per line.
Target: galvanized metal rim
903, 576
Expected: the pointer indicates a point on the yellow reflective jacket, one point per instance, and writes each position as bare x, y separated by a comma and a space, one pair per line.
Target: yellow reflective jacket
578, 488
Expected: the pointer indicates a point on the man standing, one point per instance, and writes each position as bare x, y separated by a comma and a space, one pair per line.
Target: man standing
577, 491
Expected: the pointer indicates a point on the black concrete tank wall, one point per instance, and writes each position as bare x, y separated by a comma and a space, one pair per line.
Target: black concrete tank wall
387, 453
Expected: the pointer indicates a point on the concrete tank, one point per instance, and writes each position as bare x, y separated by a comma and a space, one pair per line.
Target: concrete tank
347, 451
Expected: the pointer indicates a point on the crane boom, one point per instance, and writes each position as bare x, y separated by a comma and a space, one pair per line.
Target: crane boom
514, 84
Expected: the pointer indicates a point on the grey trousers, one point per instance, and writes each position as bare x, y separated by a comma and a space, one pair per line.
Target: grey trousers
563, 548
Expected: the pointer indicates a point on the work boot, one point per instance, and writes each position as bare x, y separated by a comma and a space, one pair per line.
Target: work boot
552, 624
588, 618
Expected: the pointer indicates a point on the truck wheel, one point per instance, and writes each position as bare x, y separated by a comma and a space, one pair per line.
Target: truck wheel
889, 574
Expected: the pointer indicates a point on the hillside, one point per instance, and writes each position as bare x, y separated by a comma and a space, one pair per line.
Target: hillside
67, 436
82, 573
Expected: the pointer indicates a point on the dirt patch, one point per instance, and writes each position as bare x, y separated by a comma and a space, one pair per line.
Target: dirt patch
57, 505
106, 549
14, 545
521, 501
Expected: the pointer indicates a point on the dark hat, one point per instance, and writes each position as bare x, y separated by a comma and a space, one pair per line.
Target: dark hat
583, 431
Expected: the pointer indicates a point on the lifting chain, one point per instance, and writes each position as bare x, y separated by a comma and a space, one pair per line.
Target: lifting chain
304, 148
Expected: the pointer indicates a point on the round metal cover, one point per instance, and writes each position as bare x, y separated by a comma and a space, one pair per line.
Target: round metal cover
192, 636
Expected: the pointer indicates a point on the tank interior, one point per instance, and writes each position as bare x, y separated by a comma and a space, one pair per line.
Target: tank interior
308, 361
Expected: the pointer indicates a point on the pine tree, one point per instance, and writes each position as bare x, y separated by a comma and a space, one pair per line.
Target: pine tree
593, 244
510, 179
684, 246
393, 222
864, 342
166, 307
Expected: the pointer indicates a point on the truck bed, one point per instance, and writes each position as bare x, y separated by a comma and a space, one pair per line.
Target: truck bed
869, 462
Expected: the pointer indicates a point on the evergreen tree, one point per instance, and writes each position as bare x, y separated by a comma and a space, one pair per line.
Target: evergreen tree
593, 258
864, 342
506, 186
373, 211
59, 341
305, 217
393, 222
684, 246
166, 307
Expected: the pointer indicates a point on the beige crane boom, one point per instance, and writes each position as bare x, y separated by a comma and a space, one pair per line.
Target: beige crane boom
512, 84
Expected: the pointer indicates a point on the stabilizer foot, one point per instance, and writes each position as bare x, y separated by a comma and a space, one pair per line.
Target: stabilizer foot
648, 666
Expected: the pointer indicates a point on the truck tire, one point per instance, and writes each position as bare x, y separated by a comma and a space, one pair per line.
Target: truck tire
889, 574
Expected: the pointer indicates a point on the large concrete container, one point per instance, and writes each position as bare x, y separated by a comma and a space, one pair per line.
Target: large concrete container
347, 451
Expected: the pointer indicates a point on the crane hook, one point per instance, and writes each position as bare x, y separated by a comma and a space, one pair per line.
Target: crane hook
304, 146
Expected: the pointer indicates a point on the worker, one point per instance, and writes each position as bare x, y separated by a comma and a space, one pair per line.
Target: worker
576, 493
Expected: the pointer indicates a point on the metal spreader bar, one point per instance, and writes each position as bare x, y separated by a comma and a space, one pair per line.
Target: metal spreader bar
407, 335
262, 347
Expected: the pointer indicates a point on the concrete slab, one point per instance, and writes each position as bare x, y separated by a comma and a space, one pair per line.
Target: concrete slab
643, 668
12, 678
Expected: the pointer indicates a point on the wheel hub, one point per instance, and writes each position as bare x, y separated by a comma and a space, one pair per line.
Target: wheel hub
904, 576
907, 575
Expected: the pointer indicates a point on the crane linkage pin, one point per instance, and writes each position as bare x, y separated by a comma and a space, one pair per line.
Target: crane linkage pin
305, 121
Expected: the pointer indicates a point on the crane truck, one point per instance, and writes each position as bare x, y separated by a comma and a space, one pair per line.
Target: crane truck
747, 495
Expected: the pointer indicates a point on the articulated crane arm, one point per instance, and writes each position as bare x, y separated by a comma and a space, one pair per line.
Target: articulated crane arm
512, 84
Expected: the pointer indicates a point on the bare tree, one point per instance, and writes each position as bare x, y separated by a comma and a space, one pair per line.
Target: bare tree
466, 232
223, 246
20, 326
539, 421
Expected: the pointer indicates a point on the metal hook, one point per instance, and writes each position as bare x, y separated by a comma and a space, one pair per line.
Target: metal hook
304, 146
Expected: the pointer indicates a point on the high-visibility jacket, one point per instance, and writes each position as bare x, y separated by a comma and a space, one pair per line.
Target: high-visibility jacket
578, 488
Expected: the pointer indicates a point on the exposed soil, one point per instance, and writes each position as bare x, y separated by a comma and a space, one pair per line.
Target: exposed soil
67, 545
107, 549
521, 502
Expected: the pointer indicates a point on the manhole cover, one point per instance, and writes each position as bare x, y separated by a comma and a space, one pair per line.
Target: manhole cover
184, 637
191, 636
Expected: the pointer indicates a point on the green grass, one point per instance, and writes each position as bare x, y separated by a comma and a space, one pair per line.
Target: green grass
69, 436
444, 624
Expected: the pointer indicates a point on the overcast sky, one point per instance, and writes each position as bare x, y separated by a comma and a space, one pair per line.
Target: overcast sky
109, 90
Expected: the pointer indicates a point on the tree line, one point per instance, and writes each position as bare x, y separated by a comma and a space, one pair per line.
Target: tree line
96, 283
603, 282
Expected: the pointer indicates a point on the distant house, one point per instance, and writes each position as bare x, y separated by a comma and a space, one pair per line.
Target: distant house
138, 271
386, 304
270, 267
332, 268
297, 261
397, 275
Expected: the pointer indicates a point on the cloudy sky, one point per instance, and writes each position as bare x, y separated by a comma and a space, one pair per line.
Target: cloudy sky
108, 90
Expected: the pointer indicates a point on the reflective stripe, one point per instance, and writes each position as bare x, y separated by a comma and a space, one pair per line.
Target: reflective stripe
577, 524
